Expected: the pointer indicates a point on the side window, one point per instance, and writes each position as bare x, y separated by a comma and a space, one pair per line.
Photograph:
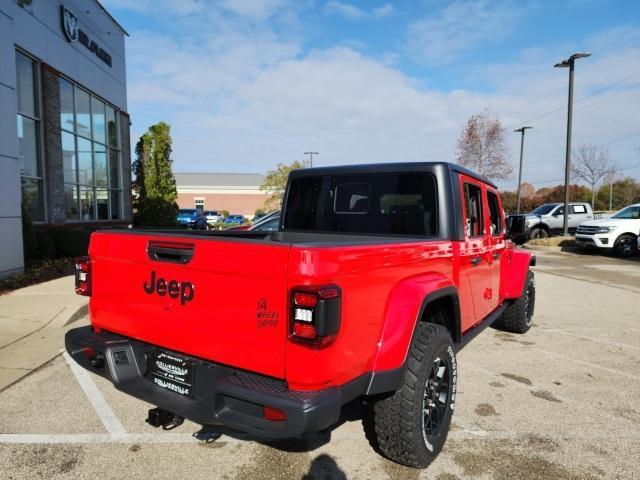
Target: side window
495, 217
474, 209
559, 211
578, 209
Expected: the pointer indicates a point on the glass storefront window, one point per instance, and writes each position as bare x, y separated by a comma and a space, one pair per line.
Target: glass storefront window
100, 165
102, 202
26, 85
83, 113
66, 106
97, 120
28, 147
71, 195
85, 162
69, 157
91, 155
87, 204
28, 126
112, 128
32, 198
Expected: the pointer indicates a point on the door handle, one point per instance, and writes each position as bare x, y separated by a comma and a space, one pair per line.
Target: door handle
476, 261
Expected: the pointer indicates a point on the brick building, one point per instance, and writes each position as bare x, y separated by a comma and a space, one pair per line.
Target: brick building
64, 130
238, 193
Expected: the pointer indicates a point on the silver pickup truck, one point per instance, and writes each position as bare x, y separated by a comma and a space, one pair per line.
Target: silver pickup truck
548, 219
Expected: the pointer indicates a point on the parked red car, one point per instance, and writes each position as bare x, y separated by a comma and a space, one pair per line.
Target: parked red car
378, 275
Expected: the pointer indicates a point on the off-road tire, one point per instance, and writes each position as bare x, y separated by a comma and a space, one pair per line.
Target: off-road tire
518, 316
538, 232
625, 246
397, 421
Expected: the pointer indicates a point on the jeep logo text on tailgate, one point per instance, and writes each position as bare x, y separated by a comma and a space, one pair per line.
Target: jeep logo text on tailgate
175, 289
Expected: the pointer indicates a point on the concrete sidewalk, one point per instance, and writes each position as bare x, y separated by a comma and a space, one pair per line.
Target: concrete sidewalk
33, 321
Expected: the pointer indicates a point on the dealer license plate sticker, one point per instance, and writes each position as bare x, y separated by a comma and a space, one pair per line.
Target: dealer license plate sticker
173, 373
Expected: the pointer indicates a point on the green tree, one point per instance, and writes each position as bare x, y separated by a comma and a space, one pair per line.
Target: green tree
275, 183
155, 186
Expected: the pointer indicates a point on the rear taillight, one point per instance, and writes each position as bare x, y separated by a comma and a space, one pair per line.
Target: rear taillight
315, 314
274, 414
83, 276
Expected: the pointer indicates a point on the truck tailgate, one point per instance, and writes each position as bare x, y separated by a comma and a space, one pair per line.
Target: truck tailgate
226, 303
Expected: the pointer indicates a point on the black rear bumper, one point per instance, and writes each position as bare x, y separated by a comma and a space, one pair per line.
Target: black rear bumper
221, 395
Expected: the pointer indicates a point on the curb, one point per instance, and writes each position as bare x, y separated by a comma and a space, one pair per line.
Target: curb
80, 312
545, 248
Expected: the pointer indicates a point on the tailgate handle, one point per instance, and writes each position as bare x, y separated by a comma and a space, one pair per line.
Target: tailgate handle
171, 252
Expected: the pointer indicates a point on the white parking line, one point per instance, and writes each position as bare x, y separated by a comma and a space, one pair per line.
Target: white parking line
126, 438
100, 405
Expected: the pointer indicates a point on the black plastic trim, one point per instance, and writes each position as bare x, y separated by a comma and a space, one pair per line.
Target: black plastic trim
479, 328
222, 395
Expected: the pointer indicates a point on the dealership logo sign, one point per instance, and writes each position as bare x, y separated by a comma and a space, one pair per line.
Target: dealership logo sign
69, 24
71, 29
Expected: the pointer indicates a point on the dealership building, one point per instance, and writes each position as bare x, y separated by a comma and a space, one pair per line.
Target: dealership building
237, 193
64, 128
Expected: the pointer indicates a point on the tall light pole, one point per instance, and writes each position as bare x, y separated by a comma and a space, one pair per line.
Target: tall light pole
569, 62
311, 154
521, 130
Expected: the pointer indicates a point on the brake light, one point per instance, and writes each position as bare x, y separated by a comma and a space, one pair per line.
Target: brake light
83, 276
315, 314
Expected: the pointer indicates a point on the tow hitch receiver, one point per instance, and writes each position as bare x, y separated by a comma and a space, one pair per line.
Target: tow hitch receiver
162, 418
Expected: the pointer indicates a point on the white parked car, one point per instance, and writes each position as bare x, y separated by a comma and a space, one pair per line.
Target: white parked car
618, 232
213, 217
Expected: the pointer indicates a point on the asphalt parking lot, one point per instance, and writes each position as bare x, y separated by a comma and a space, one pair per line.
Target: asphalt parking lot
560, 402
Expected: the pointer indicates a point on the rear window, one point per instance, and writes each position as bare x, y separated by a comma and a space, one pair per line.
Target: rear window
375, 204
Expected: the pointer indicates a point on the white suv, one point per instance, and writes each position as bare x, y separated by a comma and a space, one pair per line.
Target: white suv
618, 233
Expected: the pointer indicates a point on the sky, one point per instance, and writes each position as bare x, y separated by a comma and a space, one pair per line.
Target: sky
247, 84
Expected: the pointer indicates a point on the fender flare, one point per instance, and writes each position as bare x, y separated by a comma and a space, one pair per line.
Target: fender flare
389, 380
514, 272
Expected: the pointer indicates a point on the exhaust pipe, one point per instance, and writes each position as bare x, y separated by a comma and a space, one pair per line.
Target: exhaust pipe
158, 417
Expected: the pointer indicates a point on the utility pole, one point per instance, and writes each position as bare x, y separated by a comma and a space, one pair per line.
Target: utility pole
311, 154
521, 130
570, 63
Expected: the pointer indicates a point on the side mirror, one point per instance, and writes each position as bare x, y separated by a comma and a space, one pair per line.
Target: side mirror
516, 225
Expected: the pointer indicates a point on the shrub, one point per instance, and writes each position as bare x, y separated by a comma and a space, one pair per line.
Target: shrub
70, 242
45, 246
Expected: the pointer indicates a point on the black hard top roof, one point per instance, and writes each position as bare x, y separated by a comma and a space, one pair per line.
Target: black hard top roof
386, 167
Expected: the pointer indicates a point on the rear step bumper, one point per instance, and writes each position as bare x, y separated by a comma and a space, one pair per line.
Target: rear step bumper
221, 395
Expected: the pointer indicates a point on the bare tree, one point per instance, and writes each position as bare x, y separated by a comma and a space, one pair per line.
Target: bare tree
482, 147
591, 164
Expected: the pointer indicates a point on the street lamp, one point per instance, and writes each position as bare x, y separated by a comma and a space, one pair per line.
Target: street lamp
569, 62
311, 154
521, 130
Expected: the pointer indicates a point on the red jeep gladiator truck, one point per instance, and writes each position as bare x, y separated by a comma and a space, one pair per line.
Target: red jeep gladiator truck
376, 277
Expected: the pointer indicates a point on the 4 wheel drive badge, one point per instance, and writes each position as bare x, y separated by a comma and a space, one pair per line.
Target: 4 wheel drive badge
264, 316
69, 24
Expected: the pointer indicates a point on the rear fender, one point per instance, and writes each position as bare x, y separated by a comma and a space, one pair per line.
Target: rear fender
405, 306
514, 267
